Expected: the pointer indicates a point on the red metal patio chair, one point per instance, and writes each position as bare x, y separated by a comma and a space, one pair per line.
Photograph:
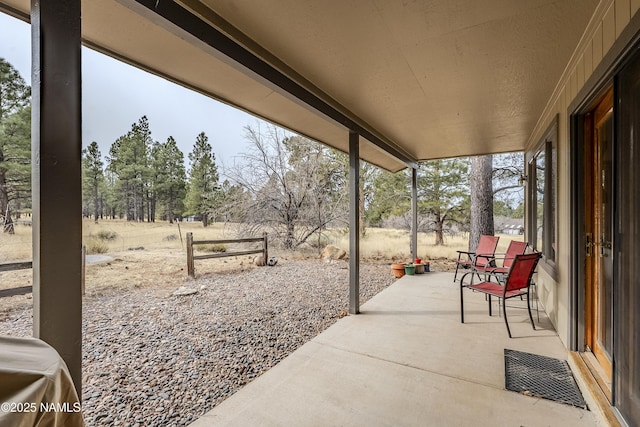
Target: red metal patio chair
514, 248
484, 254
500, 273
517, 284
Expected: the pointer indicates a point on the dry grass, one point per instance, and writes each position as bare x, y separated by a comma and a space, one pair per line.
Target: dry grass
395, 244
141, 253
154, 255
16, 246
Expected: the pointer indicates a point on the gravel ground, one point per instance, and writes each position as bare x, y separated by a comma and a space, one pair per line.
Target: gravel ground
154, 359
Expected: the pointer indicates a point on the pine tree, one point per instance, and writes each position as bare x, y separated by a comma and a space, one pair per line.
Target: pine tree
202, 194
169, 182
442, 195
93, 178
15, 143
129, 162
443, 192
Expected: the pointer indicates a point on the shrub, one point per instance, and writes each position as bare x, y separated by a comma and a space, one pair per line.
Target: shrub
107, 235
211, 248
318, 243
96, 246
170, 238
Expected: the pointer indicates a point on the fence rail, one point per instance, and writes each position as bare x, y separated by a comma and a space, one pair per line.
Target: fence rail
191, 257
15, 265
26, 265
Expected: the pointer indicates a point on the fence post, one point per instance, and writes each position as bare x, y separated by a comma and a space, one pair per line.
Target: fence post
264, 247
190, 269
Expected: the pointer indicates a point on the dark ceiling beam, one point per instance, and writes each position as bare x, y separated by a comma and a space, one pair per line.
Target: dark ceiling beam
253, 64
18, 14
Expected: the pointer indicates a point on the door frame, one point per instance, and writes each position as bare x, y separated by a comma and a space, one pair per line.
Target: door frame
580, 152
594, 227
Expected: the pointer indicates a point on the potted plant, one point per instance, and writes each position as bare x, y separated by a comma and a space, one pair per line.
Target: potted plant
398, 269
410, 269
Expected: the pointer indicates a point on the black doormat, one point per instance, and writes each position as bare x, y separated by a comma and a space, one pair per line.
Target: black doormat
541, 376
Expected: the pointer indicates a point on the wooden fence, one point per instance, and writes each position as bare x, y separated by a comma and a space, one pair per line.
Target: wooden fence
25, 265
13, 266
191, 257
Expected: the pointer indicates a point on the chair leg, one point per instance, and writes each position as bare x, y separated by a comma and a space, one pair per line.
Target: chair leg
534, 292
456, 275
489, 299
461, 304
530, 316
504, 312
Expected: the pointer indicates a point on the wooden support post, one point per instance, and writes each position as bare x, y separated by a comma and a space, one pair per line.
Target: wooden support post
83, 256
354, 223
190, 269
56, 146
414, 213
265, 248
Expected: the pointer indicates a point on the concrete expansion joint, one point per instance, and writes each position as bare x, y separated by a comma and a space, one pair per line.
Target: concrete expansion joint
406, 365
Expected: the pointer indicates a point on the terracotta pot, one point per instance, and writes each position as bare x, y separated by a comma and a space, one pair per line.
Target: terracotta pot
398, 269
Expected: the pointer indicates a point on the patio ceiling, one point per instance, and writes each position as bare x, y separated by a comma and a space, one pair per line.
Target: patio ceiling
417, 79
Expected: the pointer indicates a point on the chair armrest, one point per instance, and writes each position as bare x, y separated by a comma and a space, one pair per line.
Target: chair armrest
468, 254
465, 252
472, 273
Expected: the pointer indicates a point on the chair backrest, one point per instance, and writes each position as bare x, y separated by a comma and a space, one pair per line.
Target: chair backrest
515, 248
486, 246
521, 271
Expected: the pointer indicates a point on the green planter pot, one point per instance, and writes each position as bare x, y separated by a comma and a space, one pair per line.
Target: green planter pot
410, 269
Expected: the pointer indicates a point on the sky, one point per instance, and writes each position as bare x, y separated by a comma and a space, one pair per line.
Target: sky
115, 95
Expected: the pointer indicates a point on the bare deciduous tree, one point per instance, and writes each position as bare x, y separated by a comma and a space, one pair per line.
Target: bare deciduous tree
296, 186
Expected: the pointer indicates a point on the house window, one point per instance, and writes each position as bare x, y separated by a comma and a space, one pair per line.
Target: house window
541, 192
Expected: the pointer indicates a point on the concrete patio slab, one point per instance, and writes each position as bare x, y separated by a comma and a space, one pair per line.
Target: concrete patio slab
406, 361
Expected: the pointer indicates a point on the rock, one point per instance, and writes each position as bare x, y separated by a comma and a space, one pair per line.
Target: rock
272, 261
331, 252
259, 260
183, 290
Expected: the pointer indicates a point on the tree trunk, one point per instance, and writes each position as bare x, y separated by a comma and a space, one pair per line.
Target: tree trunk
8, 222
171, 206
481, 199
205, 219
439, 230
290, 239
4, 204
95, 198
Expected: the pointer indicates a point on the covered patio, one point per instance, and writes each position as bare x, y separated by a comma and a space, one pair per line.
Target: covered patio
407, 360
393, 84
